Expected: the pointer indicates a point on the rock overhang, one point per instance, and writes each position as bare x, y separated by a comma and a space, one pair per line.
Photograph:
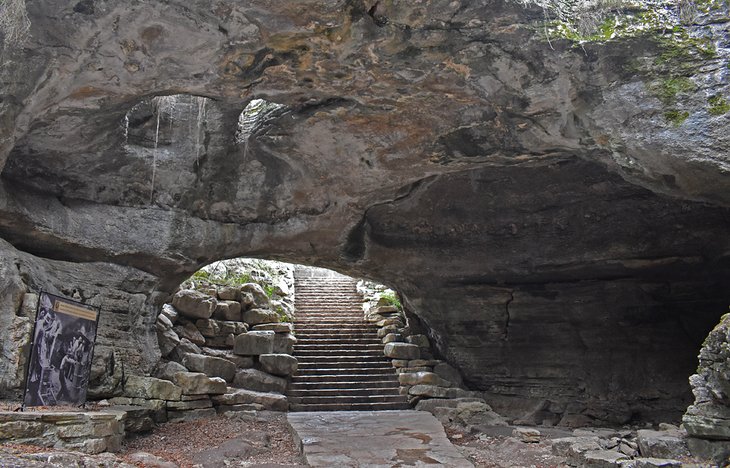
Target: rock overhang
450, 151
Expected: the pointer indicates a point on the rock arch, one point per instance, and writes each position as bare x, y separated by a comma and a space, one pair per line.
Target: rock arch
563, 240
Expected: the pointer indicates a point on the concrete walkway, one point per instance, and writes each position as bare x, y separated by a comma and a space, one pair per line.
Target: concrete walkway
374, 439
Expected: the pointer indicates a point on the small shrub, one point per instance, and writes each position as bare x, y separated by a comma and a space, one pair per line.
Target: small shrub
391, 299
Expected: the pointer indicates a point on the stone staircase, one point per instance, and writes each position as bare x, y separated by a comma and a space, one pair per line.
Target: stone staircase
341, 361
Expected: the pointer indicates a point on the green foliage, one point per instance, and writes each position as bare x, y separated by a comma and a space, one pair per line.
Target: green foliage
391, 299
676, 117
282, 314
200, 275
268, 289
226, 277
718, 105
668, 88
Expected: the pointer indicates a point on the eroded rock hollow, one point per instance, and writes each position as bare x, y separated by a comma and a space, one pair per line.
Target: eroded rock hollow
556, 213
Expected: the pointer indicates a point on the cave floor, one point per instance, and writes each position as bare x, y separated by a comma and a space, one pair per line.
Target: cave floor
374, 439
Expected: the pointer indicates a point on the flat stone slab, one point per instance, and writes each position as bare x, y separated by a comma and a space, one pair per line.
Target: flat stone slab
374, 439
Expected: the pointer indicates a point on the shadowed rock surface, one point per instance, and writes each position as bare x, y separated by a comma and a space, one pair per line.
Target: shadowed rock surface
560, 232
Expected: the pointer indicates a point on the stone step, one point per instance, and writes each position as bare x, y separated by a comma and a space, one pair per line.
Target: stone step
350, 346
336, 315
334, 358
339, 399
348, 290
343, 385
338, 371
311, 304
368, 335
385, 364
345, 391
335, 334
333, 323
339, 378
341, 341
336, 352
324, 328
315, 294
350, 407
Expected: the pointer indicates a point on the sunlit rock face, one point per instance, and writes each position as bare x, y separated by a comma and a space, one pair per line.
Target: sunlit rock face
556, 214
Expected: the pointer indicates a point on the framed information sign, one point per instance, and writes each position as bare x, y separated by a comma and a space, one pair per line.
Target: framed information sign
61, 352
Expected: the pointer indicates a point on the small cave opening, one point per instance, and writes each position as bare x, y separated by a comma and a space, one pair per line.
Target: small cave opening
256, 112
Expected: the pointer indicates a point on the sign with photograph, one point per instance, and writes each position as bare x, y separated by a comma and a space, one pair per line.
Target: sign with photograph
60, 359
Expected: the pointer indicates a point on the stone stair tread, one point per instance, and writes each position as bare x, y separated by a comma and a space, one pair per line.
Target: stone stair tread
350, 407
358, 384
345, 391
306, 372
344, 365
348, 399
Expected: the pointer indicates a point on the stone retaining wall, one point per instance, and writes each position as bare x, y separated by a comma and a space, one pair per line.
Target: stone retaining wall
89, 432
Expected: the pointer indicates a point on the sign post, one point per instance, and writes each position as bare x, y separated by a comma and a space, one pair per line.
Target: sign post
61, 352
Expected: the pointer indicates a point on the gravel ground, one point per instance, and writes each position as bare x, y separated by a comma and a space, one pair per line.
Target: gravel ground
495, 451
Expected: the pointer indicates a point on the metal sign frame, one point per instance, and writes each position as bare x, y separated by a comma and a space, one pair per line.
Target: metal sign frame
61, 351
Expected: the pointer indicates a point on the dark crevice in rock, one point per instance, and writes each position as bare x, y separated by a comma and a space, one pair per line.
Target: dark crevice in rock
507, 316
379, 19
354, 249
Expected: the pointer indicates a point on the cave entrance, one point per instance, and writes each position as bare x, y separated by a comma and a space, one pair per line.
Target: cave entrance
284, 336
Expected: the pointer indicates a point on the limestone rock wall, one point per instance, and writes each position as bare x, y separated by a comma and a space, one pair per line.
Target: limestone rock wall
546, 208
126, 341
707, 420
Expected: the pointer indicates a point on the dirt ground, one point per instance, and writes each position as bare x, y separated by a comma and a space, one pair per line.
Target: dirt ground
235, 439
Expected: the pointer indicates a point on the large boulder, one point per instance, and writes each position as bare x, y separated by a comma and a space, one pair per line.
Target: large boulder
260, 298
662, 444
397, 350
151, 388
429, 391
254, 343
167, 370
197, 383
448, 372
210, 365
257, 316
190, 332
228, 310
237, 396
422, 378
254, 379
284, 343
194, 304
278, 364
229, 293
186, 346
280, 327
211, 328
170, 312
166, 336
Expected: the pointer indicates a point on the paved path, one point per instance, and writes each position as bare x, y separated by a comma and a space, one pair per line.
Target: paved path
374, 439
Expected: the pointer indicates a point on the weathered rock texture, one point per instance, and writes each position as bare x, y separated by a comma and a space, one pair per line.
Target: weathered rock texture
707, 420
541, 206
